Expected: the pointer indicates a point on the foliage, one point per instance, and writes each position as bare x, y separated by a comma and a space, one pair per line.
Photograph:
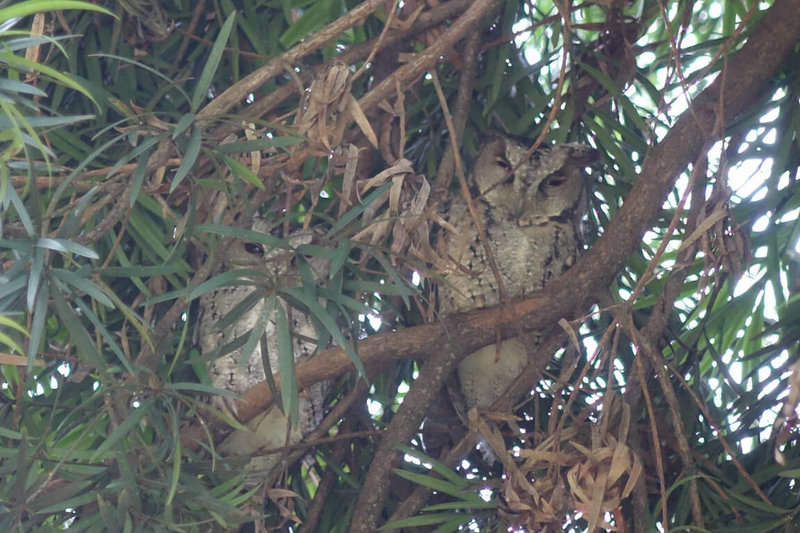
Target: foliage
137, 139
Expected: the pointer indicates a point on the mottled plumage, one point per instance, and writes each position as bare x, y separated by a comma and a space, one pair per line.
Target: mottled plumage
530, 209
270, 429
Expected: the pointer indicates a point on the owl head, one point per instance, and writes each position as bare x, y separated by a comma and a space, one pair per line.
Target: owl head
549, 185
263, 254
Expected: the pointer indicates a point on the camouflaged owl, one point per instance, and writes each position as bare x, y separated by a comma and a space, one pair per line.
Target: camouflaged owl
530, 208
238, 371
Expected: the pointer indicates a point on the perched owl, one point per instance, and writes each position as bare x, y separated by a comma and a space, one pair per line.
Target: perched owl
238, 372
531, 210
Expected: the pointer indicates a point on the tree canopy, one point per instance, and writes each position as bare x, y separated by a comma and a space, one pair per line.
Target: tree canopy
138, 138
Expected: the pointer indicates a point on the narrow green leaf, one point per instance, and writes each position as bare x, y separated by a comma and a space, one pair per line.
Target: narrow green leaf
340, 255
254, 338
344, 300
71, 503
86, 348
35, 276
289, 392
230, 277
122, 430
66, 79
397, 279
244, 234
145, 146
425, 520
311, 20
83, 284
207, 76
9, 323
5, 340
355, 211
433, 483
259, 145
10, 433
318, 312
183, 124
100, 326
63, 245
46, 122
137, 271
189, 159
176, 456
23, 9
15, 86
240, 170
138, 177
439, 467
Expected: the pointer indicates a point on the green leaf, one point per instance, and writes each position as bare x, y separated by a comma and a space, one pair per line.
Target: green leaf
183, 124
240, 170
189, 159
318, 312
87, 351
210, 69
176, 456
355, 211
311, 20
259, 145
139, 271
35, 276
138, 177
23, 9
122, 430
439, 467
339, 257
5, 340
63, 245
427, 520
83, 284
289, 392
244, 234
433, 483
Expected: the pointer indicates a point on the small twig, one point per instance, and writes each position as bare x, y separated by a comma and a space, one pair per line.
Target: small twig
189, 32
237, 92
462, 180
441, 184
121, 206
655, 441
565, 30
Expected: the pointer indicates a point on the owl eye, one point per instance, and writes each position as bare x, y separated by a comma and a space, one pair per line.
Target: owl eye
254, 248
505, 165
554, 180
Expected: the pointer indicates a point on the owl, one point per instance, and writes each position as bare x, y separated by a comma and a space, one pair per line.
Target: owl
238, 371
530, 208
